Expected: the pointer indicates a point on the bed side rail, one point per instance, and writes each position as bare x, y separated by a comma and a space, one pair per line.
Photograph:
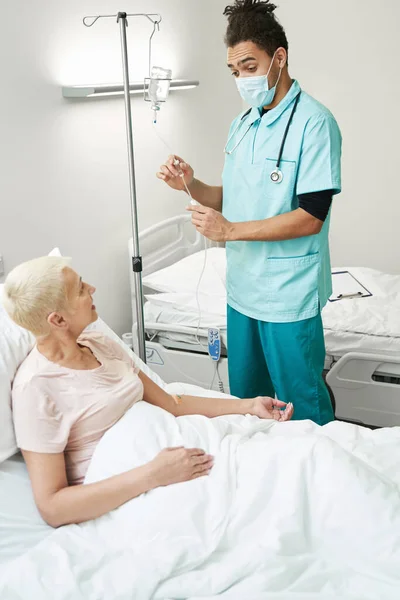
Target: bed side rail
367, 388
167, 242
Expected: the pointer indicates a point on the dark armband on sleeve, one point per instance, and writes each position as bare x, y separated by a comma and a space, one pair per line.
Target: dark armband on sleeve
316, 204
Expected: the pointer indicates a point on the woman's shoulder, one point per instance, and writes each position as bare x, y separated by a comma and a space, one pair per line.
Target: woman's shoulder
31, 393
31, 371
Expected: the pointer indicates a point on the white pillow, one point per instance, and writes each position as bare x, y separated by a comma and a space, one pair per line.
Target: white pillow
15, 345
184, 275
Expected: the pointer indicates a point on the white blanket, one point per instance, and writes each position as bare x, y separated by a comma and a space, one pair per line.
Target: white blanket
290, 511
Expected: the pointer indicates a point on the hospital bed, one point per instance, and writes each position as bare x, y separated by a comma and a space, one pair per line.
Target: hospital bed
212, 537
362, 336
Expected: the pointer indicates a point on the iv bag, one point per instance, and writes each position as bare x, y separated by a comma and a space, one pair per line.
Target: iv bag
158, 86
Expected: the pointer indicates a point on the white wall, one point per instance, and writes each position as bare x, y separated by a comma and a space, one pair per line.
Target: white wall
64, 178
347, 54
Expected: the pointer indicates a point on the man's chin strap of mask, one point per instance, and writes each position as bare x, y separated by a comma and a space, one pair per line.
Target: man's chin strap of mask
279, 77
280, 72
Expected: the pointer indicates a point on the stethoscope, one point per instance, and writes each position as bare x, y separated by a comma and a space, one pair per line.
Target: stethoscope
276, 175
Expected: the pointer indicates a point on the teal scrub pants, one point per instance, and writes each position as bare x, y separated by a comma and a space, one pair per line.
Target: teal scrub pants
285, 360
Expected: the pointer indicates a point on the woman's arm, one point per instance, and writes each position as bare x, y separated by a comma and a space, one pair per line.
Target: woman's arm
265, 408
60, 504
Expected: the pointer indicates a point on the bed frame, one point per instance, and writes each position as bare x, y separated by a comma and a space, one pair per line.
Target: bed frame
161, 246
366, 387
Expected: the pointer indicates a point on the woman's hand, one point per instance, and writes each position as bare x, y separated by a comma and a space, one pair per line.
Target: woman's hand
270, 408
174, 465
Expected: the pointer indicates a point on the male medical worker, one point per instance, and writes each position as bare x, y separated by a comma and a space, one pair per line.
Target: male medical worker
282, 168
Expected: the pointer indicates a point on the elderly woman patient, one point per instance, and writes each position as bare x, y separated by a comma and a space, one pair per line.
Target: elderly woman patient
75, 385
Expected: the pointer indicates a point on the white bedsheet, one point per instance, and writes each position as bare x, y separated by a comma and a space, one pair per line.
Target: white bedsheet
21, 526
290, 511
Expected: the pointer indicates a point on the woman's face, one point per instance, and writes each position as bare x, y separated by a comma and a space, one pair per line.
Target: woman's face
81, 311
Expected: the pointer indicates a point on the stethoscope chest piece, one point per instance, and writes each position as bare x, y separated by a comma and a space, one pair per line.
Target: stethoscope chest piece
276, 176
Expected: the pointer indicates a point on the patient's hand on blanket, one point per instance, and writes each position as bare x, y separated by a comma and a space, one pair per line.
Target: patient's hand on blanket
61, 504
270, 408
174, 465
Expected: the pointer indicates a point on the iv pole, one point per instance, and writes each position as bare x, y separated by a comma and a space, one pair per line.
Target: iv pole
137, 266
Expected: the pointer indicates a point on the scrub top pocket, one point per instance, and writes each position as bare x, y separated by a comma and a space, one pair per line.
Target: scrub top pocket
278, 197
292, 285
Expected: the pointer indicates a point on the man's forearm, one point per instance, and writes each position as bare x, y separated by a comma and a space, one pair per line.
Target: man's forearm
291, 225
207, 195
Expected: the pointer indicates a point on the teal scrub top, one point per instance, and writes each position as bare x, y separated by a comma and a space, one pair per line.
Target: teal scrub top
290, 280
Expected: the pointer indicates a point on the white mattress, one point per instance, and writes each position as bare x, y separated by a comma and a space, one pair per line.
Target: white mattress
156, 317
165, 313
21, 526
370, 325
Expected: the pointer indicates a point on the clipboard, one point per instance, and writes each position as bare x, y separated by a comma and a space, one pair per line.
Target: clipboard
346, 286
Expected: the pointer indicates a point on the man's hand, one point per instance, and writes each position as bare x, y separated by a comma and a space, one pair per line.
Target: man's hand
174, 171
270, 408
211, 224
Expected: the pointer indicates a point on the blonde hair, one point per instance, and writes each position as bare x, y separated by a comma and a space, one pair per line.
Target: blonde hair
35, 289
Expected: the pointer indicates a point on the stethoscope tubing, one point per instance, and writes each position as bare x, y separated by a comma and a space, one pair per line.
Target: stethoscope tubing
276, 175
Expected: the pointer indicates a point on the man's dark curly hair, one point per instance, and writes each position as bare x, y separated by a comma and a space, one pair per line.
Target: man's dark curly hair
254, 21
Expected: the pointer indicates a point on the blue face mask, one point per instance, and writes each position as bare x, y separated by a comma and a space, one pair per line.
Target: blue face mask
255, 91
